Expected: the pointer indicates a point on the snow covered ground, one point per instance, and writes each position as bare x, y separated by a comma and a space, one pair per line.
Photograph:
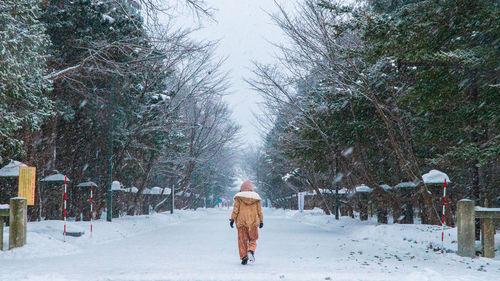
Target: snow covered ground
199, 245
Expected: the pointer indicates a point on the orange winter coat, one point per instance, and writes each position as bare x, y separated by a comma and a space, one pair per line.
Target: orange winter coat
247, 210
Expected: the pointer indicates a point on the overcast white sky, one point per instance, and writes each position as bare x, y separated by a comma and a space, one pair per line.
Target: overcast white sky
244, 30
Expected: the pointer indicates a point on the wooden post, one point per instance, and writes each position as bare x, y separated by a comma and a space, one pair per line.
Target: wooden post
4, 212
466, 228
1, 233
488, 237
17, 219
487, 217
172, 197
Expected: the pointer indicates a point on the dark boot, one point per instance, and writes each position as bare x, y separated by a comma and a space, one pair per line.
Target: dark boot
244, 260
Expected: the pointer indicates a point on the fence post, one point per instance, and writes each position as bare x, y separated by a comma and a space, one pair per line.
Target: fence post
1, 233
466, 228
17, 220
488, 237
4, 212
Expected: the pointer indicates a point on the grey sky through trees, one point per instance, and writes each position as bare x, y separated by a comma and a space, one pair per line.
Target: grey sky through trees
245, 32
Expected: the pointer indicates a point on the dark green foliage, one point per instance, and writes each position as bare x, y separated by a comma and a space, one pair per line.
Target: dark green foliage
24, 104
408, 85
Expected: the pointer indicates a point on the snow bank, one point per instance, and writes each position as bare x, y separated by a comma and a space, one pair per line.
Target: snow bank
424, 237
416, 243
45, 239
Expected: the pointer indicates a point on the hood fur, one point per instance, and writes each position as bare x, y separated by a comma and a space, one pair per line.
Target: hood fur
248, 197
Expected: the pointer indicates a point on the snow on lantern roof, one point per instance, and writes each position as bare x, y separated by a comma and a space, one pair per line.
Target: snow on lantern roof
406, 184
87, 184
182, 193
55, 178
330, 191
4, 206
385, 187
343, 190
156, 190
435, 176
132, 189
116, 186
11, 169
363, 188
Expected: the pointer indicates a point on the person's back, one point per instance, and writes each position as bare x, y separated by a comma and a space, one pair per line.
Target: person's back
247, 213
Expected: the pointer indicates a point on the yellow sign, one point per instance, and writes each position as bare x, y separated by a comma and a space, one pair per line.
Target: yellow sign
27, 177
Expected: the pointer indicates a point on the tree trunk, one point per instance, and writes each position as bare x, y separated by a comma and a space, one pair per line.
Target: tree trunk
326, 209
137, 198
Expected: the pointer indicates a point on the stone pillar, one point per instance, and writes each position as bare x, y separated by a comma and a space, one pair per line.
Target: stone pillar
488, 237
17, 219
466, 228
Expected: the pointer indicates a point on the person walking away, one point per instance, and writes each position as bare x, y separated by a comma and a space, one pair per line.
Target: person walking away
247, 213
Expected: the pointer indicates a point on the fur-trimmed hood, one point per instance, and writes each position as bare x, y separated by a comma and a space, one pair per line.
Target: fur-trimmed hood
248, 197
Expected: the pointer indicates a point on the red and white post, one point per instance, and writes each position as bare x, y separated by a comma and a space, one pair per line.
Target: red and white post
91, 210
444, 212
65, 199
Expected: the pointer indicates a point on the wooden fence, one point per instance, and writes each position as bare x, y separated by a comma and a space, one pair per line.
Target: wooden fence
467, 213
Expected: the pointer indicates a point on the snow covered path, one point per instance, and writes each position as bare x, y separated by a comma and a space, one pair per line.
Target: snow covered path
201, 246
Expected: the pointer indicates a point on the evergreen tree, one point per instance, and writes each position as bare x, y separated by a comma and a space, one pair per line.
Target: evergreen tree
24, 102
447, 69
